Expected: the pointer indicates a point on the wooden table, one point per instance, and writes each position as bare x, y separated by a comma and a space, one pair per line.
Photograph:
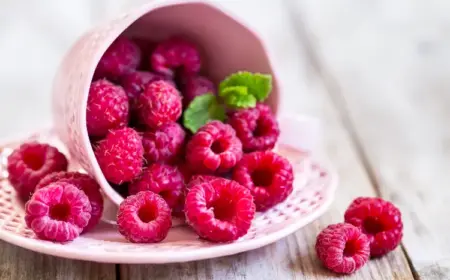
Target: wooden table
376, 73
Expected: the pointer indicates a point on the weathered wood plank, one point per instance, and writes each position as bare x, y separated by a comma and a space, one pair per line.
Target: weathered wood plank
21, 264
293, 257
386, 65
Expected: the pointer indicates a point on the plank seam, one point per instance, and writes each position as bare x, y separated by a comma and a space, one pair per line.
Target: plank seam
339, 102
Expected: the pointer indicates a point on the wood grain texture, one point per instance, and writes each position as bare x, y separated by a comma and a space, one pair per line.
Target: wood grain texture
386, 65
305, 93
21, 264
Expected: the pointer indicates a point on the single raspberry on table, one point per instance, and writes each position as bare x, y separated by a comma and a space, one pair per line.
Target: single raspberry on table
107, 108
136, 82
214, 148
174, 54
380, 220
257, 128
83, 182
267, 175
164, 144
343, 248
219, 210
162, 179
120, 155
58, 212
160, 103
144, 218
122, 57
31, 162
193, 86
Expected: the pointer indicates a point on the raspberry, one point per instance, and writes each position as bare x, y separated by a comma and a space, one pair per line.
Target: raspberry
257, 128
219, 210
31, 162
107, 108
83, 182
194, 86
120, 155
160, 103
380, 220
165, 144
135, 83
144, 218
173, 54
58, 212
121, 57
161, 179
267, 175
214, 148
342, 248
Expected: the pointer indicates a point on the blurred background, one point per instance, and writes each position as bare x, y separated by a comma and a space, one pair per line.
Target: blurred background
375, 72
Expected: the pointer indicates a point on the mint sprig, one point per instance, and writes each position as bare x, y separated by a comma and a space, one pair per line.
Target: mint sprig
240, 90
201, 110
256, 85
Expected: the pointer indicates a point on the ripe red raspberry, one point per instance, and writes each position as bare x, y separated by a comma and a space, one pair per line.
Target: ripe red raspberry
380, 220
219, 210
31, 162
83, 182
58, 212
267, 175
257, 128
135, 83
342, 248
120, 155
164, 144
194, 86
162, 179
160, 103
173, 54
122, 57
214, 148
107, 108
144, 218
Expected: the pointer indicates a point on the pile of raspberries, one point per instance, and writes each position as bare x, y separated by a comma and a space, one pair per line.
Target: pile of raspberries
216, 177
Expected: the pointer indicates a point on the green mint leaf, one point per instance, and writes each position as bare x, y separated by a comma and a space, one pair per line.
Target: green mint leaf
257, 84
238, 97
201, 110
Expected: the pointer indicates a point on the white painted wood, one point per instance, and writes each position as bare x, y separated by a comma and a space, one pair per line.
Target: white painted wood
390, 62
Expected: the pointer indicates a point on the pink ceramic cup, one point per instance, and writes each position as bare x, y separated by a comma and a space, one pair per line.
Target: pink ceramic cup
227, 46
